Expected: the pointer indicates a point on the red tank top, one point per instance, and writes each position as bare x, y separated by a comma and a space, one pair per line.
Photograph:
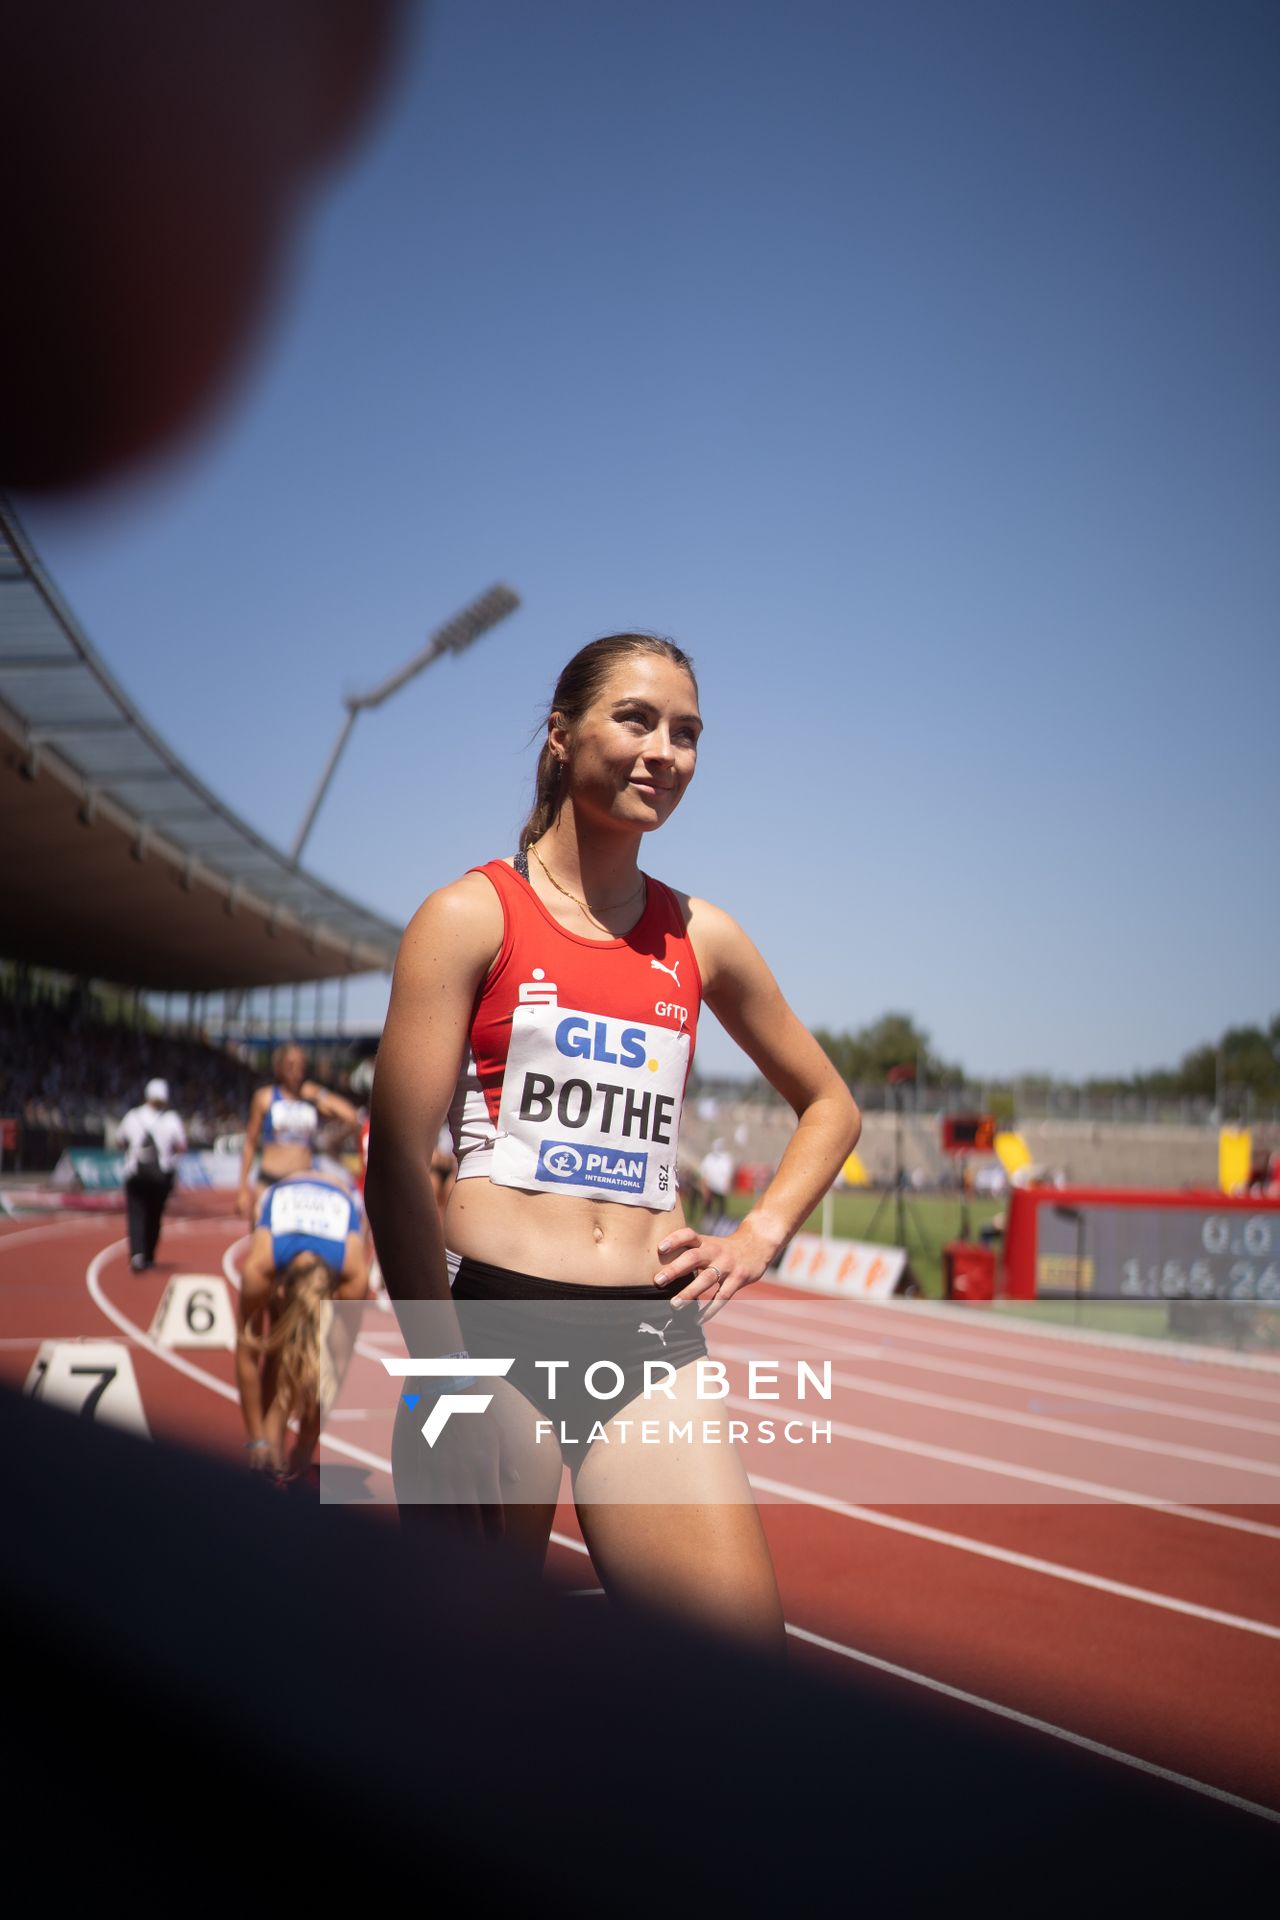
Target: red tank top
580, 1051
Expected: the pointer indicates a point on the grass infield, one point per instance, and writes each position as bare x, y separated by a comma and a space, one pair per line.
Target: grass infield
931, 1220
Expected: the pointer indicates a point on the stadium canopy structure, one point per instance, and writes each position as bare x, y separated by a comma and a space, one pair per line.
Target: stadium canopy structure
116, 863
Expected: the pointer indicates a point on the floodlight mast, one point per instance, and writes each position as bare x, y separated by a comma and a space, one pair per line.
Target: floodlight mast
454, 637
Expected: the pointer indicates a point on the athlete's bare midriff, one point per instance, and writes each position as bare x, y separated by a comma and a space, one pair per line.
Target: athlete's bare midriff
555, 1236
280, 1157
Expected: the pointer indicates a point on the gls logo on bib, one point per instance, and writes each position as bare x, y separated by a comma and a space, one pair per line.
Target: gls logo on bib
590, 1106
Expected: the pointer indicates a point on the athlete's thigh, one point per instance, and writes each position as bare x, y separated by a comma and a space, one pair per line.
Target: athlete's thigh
529, 1478
341, 1330
531, 1471
531, 1461
673, 1524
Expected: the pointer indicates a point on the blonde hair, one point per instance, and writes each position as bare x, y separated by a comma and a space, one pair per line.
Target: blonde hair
300, 1337
278, 1054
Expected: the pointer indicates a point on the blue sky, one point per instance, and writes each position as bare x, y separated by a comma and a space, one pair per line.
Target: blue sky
914, 365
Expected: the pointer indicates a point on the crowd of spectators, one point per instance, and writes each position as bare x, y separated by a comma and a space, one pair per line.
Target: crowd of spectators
66, 1068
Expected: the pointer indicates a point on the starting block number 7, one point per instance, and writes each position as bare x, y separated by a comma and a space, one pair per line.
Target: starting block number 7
92, 1378
103, 1375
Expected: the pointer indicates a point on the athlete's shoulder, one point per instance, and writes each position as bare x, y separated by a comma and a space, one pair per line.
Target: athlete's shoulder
724, 950
473, 896
702, 919
460, 923
707, 918
676, 895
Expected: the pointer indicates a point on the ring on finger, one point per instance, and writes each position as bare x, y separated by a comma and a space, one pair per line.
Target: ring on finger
719, 1276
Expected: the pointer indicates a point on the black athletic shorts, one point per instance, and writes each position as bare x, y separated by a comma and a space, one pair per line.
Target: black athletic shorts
603, 1334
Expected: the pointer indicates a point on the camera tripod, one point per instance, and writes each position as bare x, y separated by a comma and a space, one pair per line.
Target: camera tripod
905, 1218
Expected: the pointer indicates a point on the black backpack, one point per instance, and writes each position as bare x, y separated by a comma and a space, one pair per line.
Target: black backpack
147, 1159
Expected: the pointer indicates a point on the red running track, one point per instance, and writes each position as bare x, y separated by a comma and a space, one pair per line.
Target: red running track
1046, 1577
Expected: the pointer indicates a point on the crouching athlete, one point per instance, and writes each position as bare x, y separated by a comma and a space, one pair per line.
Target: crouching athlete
308, 1248
547, 1005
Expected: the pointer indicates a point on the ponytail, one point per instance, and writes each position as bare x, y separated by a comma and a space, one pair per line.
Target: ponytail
306, 1378
546, 798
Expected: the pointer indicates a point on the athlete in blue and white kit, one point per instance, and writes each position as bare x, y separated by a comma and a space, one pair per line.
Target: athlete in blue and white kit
308, 1248
284, 1120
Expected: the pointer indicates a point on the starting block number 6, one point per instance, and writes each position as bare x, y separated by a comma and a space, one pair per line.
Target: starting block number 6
200, 1316
195, 1311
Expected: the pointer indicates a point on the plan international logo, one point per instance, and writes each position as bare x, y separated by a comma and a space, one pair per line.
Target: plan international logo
711, 1381
605, 1167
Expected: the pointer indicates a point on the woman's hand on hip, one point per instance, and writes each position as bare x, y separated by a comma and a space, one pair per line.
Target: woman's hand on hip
716, 1266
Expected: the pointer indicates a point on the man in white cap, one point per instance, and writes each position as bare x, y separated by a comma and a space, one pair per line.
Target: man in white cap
151, 1137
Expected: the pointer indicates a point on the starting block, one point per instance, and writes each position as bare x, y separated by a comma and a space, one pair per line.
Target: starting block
93, 1378
195, 1311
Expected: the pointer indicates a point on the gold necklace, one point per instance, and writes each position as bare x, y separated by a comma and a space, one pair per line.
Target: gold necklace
582, 903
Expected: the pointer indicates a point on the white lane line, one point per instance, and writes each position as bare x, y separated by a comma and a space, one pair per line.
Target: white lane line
1041, 1423
25, 1238
229, 1266
1035, 1725
1030, 1563
94, 1283
233, 1275
1041, 1477
1067, 1483
1045, 1727
1035, 1476
955, 1367
215, 1385
578, 1546
1165, 1356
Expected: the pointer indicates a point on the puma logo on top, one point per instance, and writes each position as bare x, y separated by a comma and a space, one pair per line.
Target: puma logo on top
663, 968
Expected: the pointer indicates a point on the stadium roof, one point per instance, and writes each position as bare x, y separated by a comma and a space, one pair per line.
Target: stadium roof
115, 861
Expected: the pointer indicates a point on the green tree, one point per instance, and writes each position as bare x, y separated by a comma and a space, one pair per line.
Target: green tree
894, 1040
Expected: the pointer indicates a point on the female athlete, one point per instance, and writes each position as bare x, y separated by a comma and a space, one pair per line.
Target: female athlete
307, 1249
284, 1119
547, 1004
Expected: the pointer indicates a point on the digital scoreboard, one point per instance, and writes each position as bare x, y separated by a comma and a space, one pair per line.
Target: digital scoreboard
968, 1133
1127, 1244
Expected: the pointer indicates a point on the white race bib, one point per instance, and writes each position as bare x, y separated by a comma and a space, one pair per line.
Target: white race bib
321, 1212
292, 1120
591, 1106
